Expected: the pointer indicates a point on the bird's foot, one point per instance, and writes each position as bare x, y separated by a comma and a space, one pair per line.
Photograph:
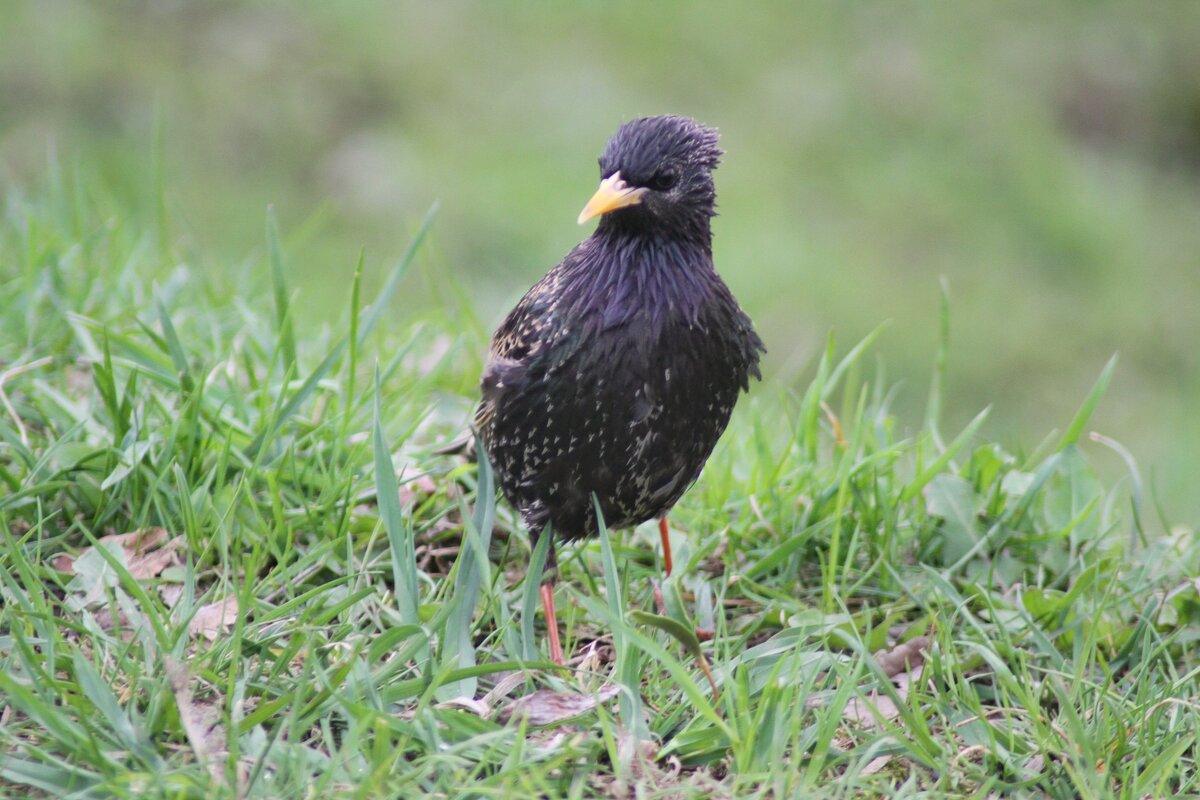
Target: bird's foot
664, 532
556, 651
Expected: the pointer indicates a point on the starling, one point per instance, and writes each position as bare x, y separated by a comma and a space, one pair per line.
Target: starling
616, 373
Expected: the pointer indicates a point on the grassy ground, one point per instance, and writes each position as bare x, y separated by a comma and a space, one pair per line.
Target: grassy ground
316, 603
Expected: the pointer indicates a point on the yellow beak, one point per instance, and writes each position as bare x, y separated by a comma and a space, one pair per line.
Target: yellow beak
613, 193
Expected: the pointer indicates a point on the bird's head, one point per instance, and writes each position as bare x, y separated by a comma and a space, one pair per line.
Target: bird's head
657, 174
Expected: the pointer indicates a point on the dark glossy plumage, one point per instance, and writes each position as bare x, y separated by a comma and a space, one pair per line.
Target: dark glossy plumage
617, 372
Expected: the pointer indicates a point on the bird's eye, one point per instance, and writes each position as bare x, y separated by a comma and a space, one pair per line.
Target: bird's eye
663, 180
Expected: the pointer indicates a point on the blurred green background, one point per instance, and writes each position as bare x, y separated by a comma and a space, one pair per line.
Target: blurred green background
1043, 157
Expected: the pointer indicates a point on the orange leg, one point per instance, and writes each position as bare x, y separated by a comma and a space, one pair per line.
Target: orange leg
666, 543
556, 651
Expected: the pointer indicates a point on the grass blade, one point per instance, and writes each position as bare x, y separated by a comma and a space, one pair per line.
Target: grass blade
627, 671
298, 398
937, 382
530, 595
399, 530
377, 309
471, 573
683, 634
178, 359
928, 474
283, 320
1075, 430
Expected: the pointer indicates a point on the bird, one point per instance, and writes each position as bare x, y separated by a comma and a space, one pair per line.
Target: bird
614, 376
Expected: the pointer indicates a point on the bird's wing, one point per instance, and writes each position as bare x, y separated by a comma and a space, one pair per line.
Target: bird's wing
514, 345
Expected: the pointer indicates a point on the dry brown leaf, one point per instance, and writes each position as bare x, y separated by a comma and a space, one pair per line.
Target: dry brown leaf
875, 765
549, 739
147, 552
504, 687
645, 773
903, 657
152, 564
479, 708
639, 755
547, 707
170, 593
593, 658
107, 622
201, 721
895, 663
210, 621
870, 708
415, 489
126, 618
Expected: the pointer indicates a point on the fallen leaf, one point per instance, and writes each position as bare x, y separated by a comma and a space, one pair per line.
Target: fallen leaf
211, 620
201, 721
170, 593
147, 552
640, 755
644, 768
903, 664
547, 707
875, 765
549, 739
903, 657
93, 575
504, 687
150, 565
479, 708
871, 708
415, 489
594, 657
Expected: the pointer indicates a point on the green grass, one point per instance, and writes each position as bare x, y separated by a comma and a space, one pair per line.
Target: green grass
384, 629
